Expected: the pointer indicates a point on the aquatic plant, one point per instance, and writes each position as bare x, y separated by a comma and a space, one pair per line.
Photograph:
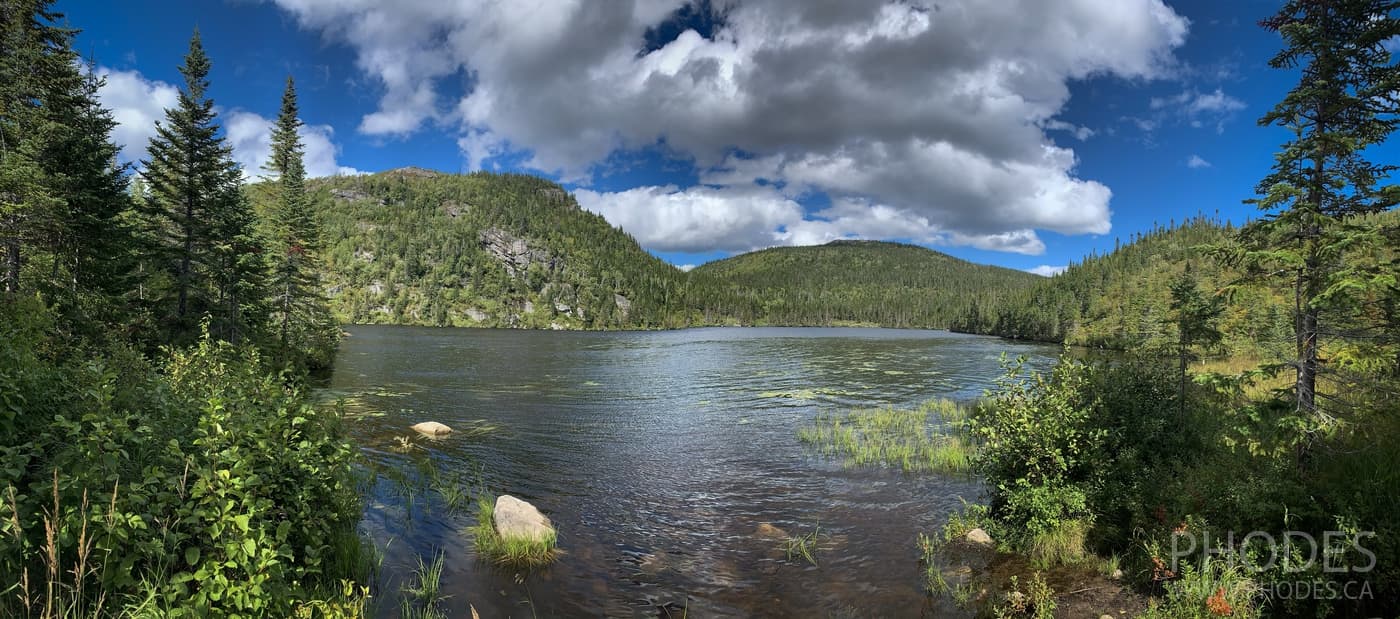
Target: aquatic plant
803, 546
907, 439
422, 594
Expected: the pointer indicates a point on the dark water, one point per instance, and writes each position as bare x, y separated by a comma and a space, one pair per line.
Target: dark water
657, 455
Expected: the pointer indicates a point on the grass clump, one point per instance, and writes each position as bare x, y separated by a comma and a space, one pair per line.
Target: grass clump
422, 595
1215, 589
802, 546
1036, 602
517, 552
926, 439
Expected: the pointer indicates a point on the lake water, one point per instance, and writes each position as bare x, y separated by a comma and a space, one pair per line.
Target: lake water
657, 455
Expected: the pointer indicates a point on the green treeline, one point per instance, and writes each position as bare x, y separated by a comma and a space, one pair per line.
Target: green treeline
413, 246
1121, 300
158, 456
886, 284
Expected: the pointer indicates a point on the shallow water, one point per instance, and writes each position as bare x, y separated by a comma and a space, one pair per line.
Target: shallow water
657, 455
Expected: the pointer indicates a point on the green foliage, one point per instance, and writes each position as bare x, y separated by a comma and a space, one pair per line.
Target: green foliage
863, 282
207, 484
1216, 589
1036, 602
1038, 446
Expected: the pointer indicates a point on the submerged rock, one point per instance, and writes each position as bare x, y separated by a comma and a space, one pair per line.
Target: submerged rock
979, 537
432, 428
517, 519
768, 531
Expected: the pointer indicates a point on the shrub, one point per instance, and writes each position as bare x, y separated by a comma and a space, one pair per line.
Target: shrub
206, 486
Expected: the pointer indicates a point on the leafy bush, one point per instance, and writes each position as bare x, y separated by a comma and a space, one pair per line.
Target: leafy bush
1038, 447
206, 487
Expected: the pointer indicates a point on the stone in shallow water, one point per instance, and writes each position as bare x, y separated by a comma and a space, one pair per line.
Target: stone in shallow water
432, 428
517, 519
768, 531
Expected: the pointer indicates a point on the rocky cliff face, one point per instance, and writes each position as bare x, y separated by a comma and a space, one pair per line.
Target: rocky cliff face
514, 252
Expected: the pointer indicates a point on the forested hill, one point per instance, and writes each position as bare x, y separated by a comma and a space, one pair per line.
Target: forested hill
870, 282
1122, 299
413, 246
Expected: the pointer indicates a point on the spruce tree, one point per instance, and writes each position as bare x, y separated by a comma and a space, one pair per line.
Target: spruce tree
30, 60
306, 331
200, 220
1345, 102
1197, 318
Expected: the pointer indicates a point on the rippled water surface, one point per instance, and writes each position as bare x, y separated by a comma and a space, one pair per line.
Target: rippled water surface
657, 455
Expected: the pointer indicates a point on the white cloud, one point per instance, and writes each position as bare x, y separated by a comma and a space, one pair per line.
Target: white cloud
696, 220
1195, 162
1079, 133
1197, 108
1046, 270
744, 218
686, 267
137, 103
937, 113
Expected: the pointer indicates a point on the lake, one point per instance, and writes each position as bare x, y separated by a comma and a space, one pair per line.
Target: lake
657, 455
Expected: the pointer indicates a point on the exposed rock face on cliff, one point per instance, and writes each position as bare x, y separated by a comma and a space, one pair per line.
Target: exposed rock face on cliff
514, 252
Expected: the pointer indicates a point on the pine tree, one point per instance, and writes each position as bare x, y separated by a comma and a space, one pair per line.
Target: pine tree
1344, 103
303, 321
200, 220
30, 60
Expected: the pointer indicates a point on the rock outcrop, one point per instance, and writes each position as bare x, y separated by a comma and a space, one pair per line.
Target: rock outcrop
517, 519
414, 171
514, 252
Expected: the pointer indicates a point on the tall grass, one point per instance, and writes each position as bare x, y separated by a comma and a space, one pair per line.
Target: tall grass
926, 439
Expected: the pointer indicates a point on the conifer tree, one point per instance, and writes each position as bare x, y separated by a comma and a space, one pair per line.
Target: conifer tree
200, 220
1197, 318
29, 60
1345, 102
305, 327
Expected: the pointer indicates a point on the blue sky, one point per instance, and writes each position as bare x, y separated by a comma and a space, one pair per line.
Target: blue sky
1023, 136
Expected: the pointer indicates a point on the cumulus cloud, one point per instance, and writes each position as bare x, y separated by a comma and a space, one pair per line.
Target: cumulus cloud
928, 116
1046, 270
1195, 162
137, 103
742, 218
